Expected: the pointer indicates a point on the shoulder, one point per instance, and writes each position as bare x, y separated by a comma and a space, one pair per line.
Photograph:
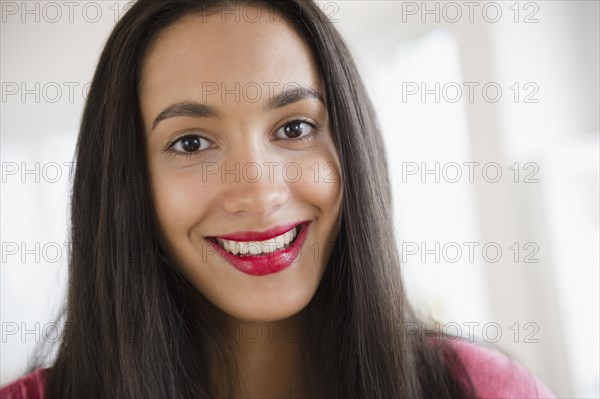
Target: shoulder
495, 375
31, 386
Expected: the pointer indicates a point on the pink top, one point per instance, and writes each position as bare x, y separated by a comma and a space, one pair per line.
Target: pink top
29, 387
495, 375
492, 374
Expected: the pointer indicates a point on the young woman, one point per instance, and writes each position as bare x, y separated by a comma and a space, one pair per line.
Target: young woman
231, 224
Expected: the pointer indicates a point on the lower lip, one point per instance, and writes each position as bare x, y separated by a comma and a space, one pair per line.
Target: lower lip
260, 265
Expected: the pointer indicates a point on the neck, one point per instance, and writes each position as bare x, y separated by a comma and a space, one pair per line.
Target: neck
268, 357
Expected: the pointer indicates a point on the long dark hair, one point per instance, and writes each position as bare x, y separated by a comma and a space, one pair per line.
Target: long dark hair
131, 329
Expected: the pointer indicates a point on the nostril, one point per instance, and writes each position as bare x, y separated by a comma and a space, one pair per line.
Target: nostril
252, 199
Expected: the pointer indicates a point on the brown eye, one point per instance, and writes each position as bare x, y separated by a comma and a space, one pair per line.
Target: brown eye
295, 129
190, 144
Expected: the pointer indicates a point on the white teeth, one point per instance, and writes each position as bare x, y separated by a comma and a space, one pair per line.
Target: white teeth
254, 248
293, 233
279, 243
259, 247
251, 247
272, 245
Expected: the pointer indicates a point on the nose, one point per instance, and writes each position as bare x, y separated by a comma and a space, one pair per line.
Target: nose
254, 186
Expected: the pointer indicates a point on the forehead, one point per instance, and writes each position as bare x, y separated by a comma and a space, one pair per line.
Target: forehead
202, 50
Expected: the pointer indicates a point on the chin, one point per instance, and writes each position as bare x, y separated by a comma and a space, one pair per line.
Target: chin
274, 310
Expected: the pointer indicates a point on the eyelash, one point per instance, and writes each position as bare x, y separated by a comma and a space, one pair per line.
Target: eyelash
177, 154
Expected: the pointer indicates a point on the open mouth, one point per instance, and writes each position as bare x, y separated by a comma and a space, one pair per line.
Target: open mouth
257, 248
262, 253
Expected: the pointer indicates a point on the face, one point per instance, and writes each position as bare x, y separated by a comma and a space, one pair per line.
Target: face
244, 173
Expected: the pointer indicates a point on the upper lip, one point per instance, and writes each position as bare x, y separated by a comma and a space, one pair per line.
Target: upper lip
259, 235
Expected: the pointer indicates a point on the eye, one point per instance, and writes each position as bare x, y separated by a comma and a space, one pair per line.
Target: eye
296, 130
189, 145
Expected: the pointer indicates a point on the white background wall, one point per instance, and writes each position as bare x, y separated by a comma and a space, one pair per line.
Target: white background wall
546, 312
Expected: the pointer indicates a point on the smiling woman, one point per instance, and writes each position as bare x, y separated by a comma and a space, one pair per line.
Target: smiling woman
208, 222
240, 184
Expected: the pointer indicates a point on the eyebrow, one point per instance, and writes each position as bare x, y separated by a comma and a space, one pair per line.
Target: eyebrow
198, 110
186, 108
291, 96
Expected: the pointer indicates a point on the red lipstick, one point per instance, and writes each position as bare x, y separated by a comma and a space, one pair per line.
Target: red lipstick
245, 236
268, 263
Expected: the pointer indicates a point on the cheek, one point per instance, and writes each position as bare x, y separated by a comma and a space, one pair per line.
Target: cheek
320, 181
180, 198
321, 189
